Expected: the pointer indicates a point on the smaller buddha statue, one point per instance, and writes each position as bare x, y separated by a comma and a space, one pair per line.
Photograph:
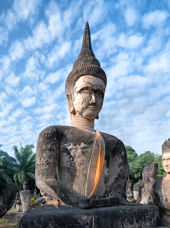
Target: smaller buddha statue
25, 196
160, 192
142, 188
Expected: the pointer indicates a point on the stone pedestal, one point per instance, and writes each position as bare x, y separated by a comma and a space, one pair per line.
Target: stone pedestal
107, 217
25, 196
18, 207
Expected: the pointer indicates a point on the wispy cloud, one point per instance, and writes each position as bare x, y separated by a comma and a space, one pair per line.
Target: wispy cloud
155, 18
12, 80
131, 16
19, 12
40, 40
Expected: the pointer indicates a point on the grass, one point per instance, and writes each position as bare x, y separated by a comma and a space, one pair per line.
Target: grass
5, 224
13, 210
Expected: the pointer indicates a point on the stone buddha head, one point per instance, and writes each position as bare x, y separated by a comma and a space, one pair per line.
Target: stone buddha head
166, 156
86, 83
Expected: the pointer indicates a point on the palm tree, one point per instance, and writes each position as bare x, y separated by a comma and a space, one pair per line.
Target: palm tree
25, 167
6, 166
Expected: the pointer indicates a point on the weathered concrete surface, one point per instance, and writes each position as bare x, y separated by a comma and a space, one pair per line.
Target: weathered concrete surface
142, 188
108, 217
160, 192
8, 198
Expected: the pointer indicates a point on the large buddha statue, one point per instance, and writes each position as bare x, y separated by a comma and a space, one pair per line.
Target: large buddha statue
92, 168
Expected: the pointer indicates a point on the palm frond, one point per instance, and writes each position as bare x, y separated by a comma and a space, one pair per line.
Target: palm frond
5, 177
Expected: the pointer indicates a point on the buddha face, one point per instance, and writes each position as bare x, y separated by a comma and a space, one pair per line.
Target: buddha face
166, 162
88, 96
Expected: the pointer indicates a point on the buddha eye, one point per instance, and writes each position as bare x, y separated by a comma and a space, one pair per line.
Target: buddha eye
86, 90
99, 93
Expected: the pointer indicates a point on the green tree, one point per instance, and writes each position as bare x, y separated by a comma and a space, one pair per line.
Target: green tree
132, 159
137, 163
142, 162
25, 167
6, 166
161, 171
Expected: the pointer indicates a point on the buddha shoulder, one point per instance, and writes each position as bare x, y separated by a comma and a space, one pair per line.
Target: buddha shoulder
64, 134
113, 142
51, 133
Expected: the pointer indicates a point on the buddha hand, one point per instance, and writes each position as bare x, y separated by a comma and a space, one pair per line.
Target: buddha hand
155, 198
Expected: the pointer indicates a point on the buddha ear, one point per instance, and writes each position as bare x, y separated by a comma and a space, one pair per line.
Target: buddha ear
70, 104
97, 117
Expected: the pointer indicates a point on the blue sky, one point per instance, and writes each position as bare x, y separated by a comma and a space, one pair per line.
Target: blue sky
40, 41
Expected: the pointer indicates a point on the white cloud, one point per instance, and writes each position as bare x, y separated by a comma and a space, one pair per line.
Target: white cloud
27, 96
33, 70
27, 91
131, 16
13, 117
133, 81
45, 117
24, 9
46, 109
11, 80
45, 33
105, 44
58, 52
40, 37
155, 18
6, 109
133, 41
17, 50
95, 12
153, 44
20, 11
158, 63
54, 16
5, 63
53, 77
3, 97
3, 36
27, 102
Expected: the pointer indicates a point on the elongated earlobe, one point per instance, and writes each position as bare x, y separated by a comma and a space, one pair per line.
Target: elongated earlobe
97, 117
70, 104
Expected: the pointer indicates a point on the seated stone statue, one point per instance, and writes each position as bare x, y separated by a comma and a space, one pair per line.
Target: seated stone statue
142, 188
8, 198
91, 166
160, 192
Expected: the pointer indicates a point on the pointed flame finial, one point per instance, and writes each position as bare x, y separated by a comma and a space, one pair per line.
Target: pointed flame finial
86, 64
86, 48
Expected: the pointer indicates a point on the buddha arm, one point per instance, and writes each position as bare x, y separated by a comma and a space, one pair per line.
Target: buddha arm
157, 201
119, 183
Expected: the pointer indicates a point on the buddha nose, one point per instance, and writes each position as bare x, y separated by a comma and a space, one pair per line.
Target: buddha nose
93, 99
166, 164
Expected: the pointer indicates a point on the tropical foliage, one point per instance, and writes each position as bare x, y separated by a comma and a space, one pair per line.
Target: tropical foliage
25, 166
6, 166
137, 163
